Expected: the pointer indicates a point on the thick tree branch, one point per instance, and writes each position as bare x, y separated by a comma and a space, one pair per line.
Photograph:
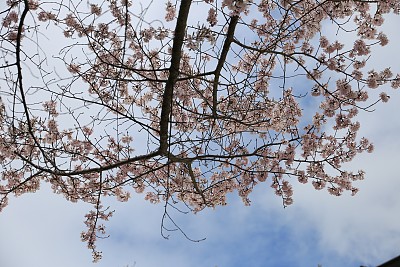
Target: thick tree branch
90, 170
196, 186
180, 31
224, 53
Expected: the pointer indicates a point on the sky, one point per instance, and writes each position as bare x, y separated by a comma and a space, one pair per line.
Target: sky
42, 229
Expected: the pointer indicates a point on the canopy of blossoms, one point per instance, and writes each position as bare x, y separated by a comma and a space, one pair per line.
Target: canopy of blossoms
208, 98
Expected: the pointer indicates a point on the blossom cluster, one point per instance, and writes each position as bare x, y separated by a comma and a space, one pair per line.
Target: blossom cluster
182, 111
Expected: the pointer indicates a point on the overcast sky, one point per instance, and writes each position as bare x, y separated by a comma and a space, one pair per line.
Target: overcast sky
42, 229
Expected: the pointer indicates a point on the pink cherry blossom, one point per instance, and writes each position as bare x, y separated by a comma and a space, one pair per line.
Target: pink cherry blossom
207, 99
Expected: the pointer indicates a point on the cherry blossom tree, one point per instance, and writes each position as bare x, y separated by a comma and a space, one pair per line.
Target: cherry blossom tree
184, 103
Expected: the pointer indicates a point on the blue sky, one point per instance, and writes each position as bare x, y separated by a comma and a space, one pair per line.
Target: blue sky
42, 229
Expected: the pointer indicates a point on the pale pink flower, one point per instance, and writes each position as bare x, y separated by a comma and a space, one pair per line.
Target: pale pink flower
45, 16
50, 107
70, 21
319, 184
384, 97
52, 126
370, 148
87, 130
357, 75
359, 64
396, 82
12, 17
372, 80
171, 11
383, 39
74, 68
152, 197
323, 41
95, 9
360, 48
12, 36
335, 191
354, 191
33, 4
378, 19
212, 17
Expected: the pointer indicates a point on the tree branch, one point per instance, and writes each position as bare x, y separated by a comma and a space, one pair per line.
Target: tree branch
222, 59
180, 31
